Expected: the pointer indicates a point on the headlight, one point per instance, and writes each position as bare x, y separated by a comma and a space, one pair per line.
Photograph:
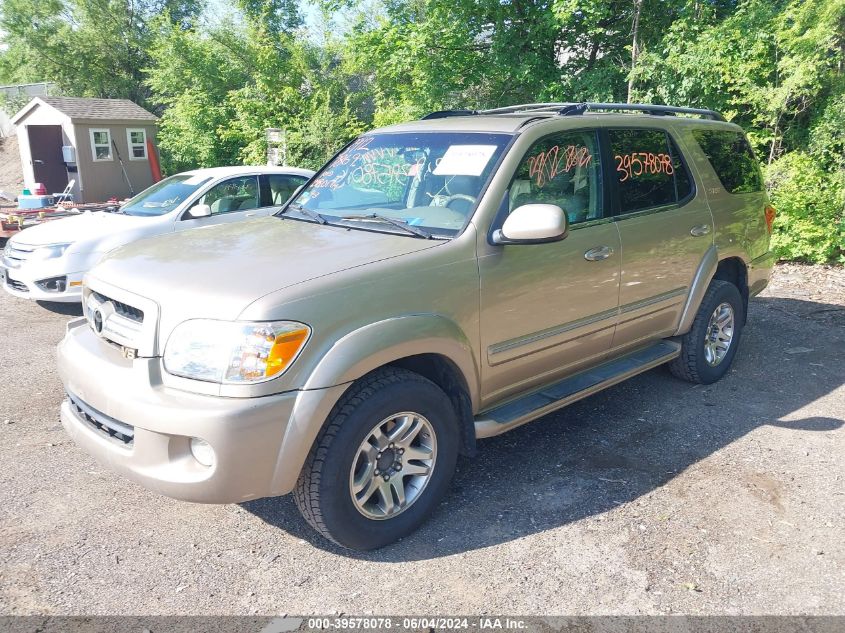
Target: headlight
49, 252
233, 352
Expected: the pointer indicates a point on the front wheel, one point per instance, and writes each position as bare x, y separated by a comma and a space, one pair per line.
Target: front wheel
708, 349
383, 461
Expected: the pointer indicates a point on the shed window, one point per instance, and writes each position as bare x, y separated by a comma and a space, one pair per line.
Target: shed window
136, 139
101, 144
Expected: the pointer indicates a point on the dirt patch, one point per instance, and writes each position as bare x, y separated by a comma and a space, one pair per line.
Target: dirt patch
11, 172
816, 293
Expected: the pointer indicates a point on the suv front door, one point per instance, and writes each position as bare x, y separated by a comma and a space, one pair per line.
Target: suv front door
665, 226
550, 309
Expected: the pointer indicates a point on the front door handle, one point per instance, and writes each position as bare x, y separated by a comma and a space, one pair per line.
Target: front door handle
700, 230
598, 253
249, 215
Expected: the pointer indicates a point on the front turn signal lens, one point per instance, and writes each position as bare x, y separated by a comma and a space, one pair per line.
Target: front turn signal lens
284, 350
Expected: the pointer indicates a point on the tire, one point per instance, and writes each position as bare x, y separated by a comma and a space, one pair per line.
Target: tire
324, 492
695, 364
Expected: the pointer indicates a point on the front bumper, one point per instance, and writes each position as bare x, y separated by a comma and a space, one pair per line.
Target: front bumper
23, 283
259, 443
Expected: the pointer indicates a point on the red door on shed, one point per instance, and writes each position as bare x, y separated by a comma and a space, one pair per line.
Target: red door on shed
45, 146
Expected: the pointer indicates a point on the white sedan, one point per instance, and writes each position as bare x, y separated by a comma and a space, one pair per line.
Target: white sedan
46, 262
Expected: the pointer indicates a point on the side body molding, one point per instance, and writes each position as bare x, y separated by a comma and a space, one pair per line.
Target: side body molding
703, 275
380, 343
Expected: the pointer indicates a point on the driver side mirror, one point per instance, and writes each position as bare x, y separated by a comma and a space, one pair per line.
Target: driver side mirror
199, 211
533, 224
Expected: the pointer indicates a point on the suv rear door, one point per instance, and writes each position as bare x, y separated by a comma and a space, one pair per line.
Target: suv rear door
549, 309
665, 226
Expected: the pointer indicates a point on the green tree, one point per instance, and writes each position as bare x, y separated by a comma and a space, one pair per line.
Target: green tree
94, 48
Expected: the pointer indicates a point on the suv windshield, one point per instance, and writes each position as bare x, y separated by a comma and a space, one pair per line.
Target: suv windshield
164, 196
427, 180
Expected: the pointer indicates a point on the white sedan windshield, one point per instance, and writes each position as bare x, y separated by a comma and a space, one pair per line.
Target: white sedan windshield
429, 180
164, 196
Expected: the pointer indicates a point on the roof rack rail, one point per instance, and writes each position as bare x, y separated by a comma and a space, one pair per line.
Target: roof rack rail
525, 107
443, 114
573, 109
657, 110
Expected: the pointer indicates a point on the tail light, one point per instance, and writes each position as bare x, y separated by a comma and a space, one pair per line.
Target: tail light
770, 217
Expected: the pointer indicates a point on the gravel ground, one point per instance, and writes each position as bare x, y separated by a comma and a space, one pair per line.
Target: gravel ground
653, 497
11, 172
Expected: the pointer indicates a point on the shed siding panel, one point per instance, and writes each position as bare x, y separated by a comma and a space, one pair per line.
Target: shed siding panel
104, 179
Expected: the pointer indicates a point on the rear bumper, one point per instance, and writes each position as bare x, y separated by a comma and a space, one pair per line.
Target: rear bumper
259, 443
759, 273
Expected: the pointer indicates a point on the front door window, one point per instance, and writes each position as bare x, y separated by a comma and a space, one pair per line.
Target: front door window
234, 194
562, 169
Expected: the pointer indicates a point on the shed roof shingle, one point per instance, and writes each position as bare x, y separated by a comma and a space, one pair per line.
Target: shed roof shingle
106, 109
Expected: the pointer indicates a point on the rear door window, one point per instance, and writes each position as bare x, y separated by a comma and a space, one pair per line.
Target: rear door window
649, 169
732, 159
276, 189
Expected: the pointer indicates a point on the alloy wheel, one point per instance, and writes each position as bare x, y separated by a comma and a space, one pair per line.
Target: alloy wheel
720, 333
393, 465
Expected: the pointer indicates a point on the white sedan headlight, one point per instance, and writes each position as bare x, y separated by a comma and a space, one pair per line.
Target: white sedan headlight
50, 251
234, 352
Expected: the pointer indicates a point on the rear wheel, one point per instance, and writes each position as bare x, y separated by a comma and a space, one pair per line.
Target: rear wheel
383, 461
708, 349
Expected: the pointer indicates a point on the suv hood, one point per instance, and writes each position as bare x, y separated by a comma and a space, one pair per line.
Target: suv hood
87, 226
217, 271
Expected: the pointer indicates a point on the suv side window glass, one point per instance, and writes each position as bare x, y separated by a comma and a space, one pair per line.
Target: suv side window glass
562, 169
649, 169
282, 187
235, 194
732, 159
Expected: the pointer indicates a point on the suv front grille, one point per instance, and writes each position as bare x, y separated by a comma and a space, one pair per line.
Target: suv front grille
109, 427
123, 309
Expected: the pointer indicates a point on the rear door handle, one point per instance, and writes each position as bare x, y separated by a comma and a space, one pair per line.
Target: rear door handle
598, 253
700, 230
249, 215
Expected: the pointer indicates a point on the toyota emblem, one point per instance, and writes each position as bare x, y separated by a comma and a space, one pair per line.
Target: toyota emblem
98, 321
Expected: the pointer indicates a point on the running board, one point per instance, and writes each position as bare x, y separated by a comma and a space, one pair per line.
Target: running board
517, 412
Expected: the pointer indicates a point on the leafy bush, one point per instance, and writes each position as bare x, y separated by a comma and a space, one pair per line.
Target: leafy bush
810, 222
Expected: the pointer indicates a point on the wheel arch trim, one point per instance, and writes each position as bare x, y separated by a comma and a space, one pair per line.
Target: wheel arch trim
355, 355
384, 342
703, 275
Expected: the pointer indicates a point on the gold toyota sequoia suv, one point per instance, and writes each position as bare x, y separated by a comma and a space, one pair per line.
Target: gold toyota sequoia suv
436, 282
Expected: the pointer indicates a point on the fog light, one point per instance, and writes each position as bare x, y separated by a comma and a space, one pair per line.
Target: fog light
202, 451
53, 284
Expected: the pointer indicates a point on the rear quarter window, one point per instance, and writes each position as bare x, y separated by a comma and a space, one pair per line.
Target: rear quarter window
732, 159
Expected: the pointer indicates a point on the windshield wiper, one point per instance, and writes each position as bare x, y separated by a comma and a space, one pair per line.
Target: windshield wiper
307, 212
413, 230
